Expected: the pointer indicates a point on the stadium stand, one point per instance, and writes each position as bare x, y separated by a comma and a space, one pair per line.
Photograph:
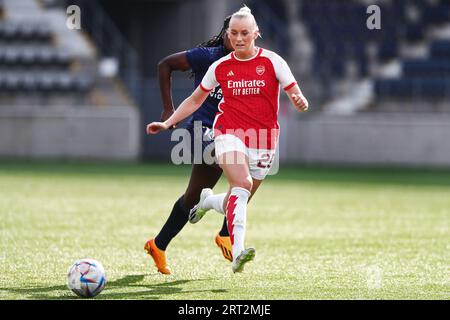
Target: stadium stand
272, 18
55, 101
427, 77
347, 52
40, 66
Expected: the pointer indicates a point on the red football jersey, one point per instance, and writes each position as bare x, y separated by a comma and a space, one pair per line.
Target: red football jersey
250, 103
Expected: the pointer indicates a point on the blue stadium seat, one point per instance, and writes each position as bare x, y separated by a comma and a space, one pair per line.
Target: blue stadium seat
426, 68
437, 14
430, 88
344, 22
413, 32
338, 30
440, 50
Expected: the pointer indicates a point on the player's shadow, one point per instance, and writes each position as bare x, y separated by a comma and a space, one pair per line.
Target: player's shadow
147, 291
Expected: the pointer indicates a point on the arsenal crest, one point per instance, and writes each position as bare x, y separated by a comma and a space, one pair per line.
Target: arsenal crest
260, 70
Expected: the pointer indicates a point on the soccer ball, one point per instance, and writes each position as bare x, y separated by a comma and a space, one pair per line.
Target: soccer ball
86, 277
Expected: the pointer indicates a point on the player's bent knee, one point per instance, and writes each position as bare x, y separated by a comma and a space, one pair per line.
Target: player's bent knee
244, 183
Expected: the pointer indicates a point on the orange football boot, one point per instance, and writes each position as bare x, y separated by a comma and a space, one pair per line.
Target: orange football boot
159, 256
224, 243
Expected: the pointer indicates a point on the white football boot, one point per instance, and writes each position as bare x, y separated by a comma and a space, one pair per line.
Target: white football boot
197, 212
245, 256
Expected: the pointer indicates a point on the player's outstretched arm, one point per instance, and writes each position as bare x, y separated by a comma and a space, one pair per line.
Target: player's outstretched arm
174, 62
186, 108
297, 98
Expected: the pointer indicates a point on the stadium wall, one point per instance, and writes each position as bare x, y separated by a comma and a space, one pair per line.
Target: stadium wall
73, 133
416, 140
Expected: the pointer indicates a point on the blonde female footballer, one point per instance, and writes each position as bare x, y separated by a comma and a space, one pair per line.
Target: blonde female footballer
246, 127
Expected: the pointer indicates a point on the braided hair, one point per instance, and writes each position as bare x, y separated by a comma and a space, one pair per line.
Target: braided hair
218, 39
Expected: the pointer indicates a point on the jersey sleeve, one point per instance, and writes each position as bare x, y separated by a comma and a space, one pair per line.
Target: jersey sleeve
209, 81
283, 73
198, 58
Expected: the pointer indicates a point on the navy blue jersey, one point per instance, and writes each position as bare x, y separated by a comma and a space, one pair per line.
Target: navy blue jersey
200, 59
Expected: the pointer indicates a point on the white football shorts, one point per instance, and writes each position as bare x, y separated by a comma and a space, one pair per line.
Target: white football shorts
260, 161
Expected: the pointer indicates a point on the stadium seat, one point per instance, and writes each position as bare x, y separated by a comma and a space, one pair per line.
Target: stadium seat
46, 82
429, 77
426, 68
437, 14
64, 82
413, 32
12, 83
20, 57
29, 63
28, 56
331, 22
440, 50
30, 82
430, 88
45, 56
10, 31
62, 58
11, 56
25, 32
343, 24
43, 33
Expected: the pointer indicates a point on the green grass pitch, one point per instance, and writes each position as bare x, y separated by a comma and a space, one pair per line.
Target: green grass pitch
319, 233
